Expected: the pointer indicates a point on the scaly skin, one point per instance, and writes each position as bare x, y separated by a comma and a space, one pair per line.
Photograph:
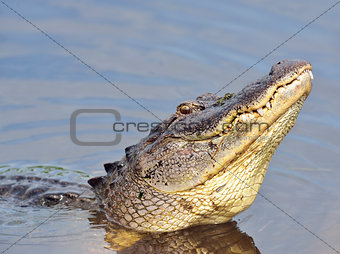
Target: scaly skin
199, 166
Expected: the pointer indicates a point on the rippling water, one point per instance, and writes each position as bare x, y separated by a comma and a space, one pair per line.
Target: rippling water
161, 53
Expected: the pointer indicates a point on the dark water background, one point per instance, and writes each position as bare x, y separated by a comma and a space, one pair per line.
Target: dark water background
161, 53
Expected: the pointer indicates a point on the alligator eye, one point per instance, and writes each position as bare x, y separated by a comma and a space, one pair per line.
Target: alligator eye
185, 109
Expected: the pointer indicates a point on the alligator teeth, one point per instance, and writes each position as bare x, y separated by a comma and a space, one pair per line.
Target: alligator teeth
260, 111
310, 74
243, 118
268, 105
298, 78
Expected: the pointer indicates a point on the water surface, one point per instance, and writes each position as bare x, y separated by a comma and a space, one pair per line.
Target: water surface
161, 53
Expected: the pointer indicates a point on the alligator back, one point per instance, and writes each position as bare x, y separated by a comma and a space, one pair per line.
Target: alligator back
38, 191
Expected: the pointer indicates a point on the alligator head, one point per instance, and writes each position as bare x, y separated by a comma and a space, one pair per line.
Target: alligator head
206, 162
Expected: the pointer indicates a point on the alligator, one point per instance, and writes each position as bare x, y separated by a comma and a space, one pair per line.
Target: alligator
204, 164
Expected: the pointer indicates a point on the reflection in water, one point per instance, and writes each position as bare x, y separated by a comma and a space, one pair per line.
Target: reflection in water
223, 238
